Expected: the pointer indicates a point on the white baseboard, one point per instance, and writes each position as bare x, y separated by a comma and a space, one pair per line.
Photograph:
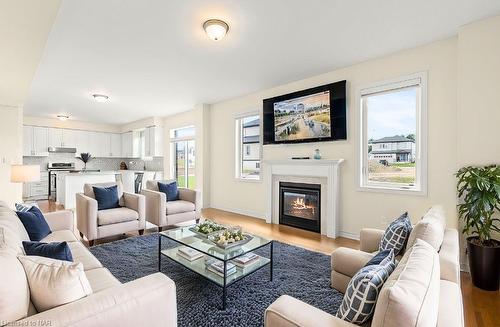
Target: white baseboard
349, 235
253, 214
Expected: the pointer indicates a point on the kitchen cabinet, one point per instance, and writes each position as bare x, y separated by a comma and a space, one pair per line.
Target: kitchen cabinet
81, 142
63, 138
55, 137
35, 141
37, 190
127, 145
115, 141
153, 141
69, 138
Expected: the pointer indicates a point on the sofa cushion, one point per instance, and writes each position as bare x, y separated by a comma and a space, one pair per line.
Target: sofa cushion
101, 279
35, 224
430, 229
450, 305
54, 282
81, 254
362, 291
14, 292
396, 235
179, 206
170, 189
10, 220
410, 297
106, 197
116, 215
54, 250
10, 241
60, 236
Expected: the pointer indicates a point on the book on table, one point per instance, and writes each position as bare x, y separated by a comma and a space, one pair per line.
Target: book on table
189, 253
217, 266
246, 260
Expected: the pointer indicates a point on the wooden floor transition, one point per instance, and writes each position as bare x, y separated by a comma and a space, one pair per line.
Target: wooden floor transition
481, 308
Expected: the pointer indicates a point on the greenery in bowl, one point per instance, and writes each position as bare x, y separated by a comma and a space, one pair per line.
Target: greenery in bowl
228, 236
208, 227
479, 189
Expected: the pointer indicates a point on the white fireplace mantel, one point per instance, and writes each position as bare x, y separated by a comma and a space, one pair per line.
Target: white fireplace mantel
324, 169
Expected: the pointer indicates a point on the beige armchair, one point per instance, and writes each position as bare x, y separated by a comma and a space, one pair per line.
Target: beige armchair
95, 224
163, 213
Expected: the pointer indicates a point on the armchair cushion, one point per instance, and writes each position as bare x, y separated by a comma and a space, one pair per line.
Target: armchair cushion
179, 206
116, 215
35, 223
170, 190
107, 197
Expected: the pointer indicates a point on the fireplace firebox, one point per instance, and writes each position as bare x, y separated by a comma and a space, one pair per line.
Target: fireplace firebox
300, 205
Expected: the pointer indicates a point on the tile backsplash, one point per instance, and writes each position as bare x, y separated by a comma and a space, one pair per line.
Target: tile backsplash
97, 163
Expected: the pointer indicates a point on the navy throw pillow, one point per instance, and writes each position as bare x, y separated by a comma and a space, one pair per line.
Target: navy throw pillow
396, 235
106, 197
35, 224
170, 190
54, 250
379, 257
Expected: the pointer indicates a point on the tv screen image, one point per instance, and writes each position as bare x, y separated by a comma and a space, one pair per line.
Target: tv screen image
301, 118
317, 114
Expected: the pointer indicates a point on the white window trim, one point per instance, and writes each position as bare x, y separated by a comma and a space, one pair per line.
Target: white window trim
420, 144
238, 148
172, 149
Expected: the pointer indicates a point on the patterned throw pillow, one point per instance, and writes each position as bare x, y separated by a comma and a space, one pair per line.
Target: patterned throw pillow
362, 291
396, 235
25, 207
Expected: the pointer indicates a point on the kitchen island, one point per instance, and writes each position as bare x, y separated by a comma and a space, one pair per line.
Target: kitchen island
68, 184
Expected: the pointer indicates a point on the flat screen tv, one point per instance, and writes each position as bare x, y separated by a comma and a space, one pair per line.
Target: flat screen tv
313, 115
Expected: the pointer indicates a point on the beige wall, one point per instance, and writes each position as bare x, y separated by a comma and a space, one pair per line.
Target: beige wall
479, 93
11, 135
25, 26
358, 209
200, 119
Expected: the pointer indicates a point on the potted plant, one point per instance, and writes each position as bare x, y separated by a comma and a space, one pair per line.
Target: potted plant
85, 157
479, 191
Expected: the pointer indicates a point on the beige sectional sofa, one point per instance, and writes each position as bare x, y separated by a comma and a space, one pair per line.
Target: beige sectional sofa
409, 288
148, 301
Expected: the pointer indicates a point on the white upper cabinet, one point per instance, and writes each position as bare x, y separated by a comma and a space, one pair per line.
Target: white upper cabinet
153, 141
35, 141
115, 145
81, 142
69, 138
127, 145
55, 137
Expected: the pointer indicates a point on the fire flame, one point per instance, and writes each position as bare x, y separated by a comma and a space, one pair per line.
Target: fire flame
300, 204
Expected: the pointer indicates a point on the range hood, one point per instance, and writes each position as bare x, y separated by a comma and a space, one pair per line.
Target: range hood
61, 150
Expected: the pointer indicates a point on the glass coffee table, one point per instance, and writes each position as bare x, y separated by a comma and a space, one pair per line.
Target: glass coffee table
185, 237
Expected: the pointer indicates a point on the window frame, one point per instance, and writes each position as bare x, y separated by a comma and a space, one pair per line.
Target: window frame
362, 182
238, 146
173, 155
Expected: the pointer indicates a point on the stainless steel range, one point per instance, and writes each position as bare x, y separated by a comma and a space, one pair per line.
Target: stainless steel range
54, 168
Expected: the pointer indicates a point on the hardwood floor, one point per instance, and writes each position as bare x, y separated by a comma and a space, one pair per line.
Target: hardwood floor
481, 308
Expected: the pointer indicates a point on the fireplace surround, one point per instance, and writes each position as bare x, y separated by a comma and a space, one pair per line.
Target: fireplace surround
300, 205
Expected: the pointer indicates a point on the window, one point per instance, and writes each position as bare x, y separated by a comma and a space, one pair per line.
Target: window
393, 135
182, 145
248, 147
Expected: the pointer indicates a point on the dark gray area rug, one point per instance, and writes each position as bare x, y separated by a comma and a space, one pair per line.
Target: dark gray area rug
297, 272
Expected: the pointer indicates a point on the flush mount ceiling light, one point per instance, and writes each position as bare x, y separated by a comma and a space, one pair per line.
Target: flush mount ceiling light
216, 29
100, 97
63, 117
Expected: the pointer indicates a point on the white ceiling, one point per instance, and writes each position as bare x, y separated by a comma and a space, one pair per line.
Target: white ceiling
153, 59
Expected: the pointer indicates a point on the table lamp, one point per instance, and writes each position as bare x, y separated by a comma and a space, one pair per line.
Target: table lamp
24, 173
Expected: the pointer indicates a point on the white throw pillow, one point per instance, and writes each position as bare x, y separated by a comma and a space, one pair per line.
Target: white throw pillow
429, 229
14, 291
54, 282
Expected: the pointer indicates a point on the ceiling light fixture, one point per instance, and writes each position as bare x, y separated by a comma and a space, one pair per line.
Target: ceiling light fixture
63, 117
216, 29
100, 97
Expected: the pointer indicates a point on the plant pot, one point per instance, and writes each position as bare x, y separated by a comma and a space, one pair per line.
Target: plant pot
484, 264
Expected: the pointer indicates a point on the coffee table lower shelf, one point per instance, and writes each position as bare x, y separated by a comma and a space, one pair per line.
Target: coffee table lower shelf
198, 266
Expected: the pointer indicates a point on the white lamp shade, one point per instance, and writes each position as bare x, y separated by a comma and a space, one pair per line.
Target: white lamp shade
24, 173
